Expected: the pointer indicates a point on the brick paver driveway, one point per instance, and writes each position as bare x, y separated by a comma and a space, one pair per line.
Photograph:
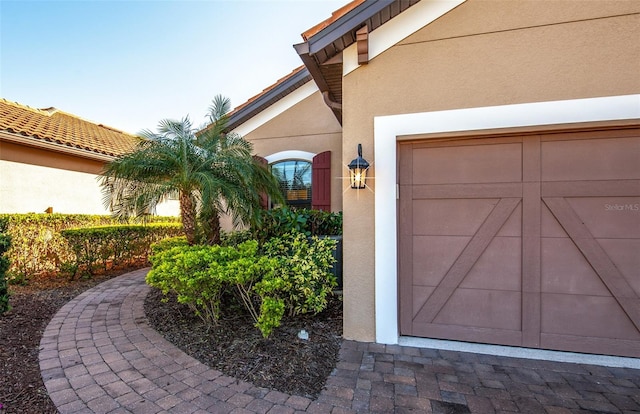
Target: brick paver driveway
99, 355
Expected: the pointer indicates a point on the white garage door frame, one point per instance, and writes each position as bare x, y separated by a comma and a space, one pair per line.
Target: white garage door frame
387, 131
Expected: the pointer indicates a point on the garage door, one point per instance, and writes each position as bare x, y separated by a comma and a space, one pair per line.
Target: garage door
525, 240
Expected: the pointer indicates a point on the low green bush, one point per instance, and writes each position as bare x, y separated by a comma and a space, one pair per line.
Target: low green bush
303, 279
5, 243
288, 274
99, 247
280, 221
200, 275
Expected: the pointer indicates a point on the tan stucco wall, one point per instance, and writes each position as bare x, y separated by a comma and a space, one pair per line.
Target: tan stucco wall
32, 179
307, 126
482, 53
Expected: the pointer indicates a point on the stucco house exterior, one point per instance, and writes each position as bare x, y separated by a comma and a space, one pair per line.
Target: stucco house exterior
50, 161
504, 142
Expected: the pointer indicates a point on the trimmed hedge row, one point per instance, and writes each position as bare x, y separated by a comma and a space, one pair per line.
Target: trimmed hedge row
38, 248
101, 247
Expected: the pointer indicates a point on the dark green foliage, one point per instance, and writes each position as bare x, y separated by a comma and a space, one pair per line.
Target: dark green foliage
290, 274
280, 221
5, 243
95, 247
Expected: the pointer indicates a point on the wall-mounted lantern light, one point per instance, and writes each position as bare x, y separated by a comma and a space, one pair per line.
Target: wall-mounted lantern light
358, 170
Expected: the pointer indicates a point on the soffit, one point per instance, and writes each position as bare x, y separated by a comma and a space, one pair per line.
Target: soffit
324, 43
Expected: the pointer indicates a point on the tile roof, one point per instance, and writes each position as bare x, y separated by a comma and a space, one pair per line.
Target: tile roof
270, 95
334, 16
61, 129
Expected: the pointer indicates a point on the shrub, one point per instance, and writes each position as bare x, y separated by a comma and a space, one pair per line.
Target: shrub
5, 243
200, 275
95, 247
290, 275
38, 248
281, 221
234, 238
303, 279
168, 243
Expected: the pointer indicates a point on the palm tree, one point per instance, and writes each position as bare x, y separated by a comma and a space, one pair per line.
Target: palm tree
210, 173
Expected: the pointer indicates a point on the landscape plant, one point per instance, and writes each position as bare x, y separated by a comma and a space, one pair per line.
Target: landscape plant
302, 280
39, 250
105, 246
5, 243
210, 172
287, 275
285, 220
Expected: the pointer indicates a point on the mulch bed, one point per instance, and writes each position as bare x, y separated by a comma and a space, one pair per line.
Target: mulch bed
33, 306
235, 347
282, 362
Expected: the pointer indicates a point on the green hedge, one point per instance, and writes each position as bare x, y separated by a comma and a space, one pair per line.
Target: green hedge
101, 247
5, 243
283, 220
38, 248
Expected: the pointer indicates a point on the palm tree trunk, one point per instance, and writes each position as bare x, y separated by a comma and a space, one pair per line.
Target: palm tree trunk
213, 236
188, 214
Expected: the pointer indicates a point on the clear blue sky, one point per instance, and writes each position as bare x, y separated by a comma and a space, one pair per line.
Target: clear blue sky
129, 64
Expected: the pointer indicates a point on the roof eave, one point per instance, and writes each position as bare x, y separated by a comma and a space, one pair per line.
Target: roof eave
53, 146
350, 21
268, 98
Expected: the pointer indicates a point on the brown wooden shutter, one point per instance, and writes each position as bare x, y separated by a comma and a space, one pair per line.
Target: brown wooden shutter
264, 198
321, 182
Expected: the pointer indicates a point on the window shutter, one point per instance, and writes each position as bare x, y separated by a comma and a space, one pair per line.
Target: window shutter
264, 199
321, 182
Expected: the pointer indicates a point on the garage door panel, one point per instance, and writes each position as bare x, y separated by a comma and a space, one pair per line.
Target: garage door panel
433, 217
550, 227
513, 226
602, 317
469, 334
592, 159
542, 252
591, 345
420, 296
609, 217
499, 267
565, 270
499, 163
433, 257
625, 254
481, 308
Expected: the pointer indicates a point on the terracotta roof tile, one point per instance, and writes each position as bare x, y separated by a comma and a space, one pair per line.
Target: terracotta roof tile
53, 125
334, 16
266, 90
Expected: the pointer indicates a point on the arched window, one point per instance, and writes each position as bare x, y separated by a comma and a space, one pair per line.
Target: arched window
294, 178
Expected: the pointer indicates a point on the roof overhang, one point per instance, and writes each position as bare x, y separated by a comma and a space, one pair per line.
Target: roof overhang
321, 53
53, 146
259, 103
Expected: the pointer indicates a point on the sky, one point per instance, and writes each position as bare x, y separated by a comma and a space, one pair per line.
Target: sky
129, 64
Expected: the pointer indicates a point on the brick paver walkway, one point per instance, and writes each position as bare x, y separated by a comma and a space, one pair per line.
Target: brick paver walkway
99, 355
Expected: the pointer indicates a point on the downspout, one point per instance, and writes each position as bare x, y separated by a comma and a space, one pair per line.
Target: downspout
331, 103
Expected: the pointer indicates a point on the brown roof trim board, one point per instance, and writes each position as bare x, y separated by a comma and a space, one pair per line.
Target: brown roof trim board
58, 131
283, 87
321, 56
324, 43
342, 24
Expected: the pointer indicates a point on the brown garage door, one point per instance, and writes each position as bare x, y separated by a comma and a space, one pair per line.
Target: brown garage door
530, 241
